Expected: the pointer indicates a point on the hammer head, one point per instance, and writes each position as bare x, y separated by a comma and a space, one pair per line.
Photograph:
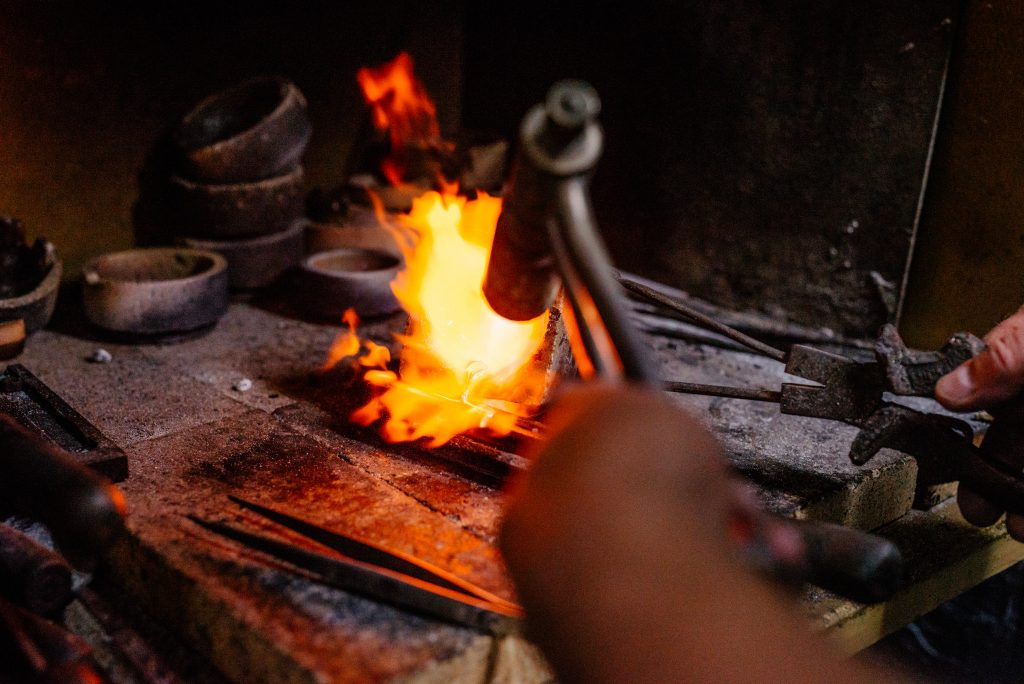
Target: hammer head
558, 140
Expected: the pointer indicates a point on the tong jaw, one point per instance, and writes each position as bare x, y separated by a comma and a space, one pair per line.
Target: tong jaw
914, 373
853, 392
848, 390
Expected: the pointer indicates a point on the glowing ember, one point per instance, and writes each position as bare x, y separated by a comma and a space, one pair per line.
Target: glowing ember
462, 366
402, 107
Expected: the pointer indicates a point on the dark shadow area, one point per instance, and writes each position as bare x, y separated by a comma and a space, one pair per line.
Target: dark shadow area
976, 637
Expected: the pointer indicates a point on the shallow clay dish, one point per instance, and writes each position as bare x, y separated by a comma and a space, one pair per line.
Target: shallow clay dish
156, 291
332, 281
238, 210
254, 130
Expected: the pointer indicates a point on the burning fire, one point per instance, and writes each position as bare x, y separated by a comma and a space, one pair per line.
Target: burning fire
462, 366
402, 107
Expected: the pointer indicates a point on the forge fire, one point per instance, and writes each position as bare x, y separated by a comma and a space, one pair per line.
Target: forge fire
461, 367
491, 342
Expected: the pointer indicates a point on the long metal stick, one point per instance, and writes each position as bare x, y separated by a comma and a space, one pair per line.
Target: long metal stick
722, 391
379, 583
703, 319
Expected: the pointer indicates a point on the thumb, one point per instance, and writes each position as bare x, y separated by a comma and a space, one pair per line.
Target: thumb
992, 377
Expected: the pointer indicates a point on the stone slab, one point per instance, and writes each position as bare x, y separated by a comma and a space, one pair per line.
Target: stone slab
474, 506
799, 465
254, 619
131, 398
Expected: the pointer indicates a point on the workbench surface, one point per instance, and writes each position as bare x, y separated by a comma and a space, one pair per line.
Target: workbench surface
192, 436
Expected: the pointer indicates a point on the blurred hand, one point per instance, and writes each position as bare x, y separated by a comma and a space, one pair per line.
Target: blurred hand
618, 539
993, 381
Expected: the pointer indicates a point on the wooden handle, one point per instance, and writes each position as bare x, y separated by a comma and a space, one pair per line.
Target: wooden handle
82, 510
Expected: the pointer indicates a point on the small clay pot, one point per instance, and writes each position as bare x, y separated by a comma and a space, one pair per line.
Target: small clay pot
156, 291
332, 281
238, 210
254, 130
257, 262
36, 307
359, 228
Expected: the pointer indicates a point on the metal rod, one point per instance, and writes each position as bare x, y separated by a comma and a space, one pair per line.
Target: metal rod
613, 344
703, 319
722, 391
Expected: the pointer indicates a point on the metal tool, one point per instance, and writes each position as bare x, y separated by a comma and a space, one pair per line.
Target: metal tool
31, 403
373, 571
32, 575
546, 234
855, 392
82, 510
34, 649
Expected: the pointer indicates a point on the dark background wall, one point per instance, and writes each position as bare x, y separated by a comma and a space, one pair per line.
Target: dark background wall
766, 154
968, 269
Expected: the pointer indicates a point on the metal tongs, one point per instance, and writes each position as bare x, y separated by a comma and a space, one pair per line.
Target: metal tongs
560, 142
368, 569
859, 393
547, 239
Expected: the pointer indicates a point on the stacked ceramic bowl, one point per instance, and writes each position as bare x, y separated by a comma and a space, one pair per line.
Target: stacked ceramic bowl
240, 189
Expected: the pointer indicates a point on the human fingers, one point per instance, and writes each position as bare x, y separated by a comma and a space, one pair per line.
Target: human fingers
992, 377
975, 508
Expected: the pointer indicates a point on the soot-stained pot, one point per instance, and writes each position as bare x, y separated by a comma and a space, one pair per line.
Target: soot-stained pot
360, 227
156, 291
238, 210
257, 262
330, 282
36, 307
254, 130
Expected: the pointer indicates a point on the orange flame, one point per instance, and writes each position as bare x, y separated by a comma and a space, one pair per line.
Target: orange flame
462, 366
402, 107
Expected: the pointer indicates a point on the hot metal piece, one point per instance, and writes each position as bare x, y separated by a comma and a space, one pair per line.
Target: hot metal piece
380, 574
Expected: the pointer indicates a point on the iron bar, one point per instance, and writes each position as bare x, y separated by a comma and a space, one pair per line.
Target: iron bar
703, 319
722, 391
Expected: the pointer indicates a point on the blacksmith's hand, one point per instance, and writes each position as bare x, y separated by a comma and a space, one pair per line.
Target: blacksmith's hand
993, 381
617, 541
